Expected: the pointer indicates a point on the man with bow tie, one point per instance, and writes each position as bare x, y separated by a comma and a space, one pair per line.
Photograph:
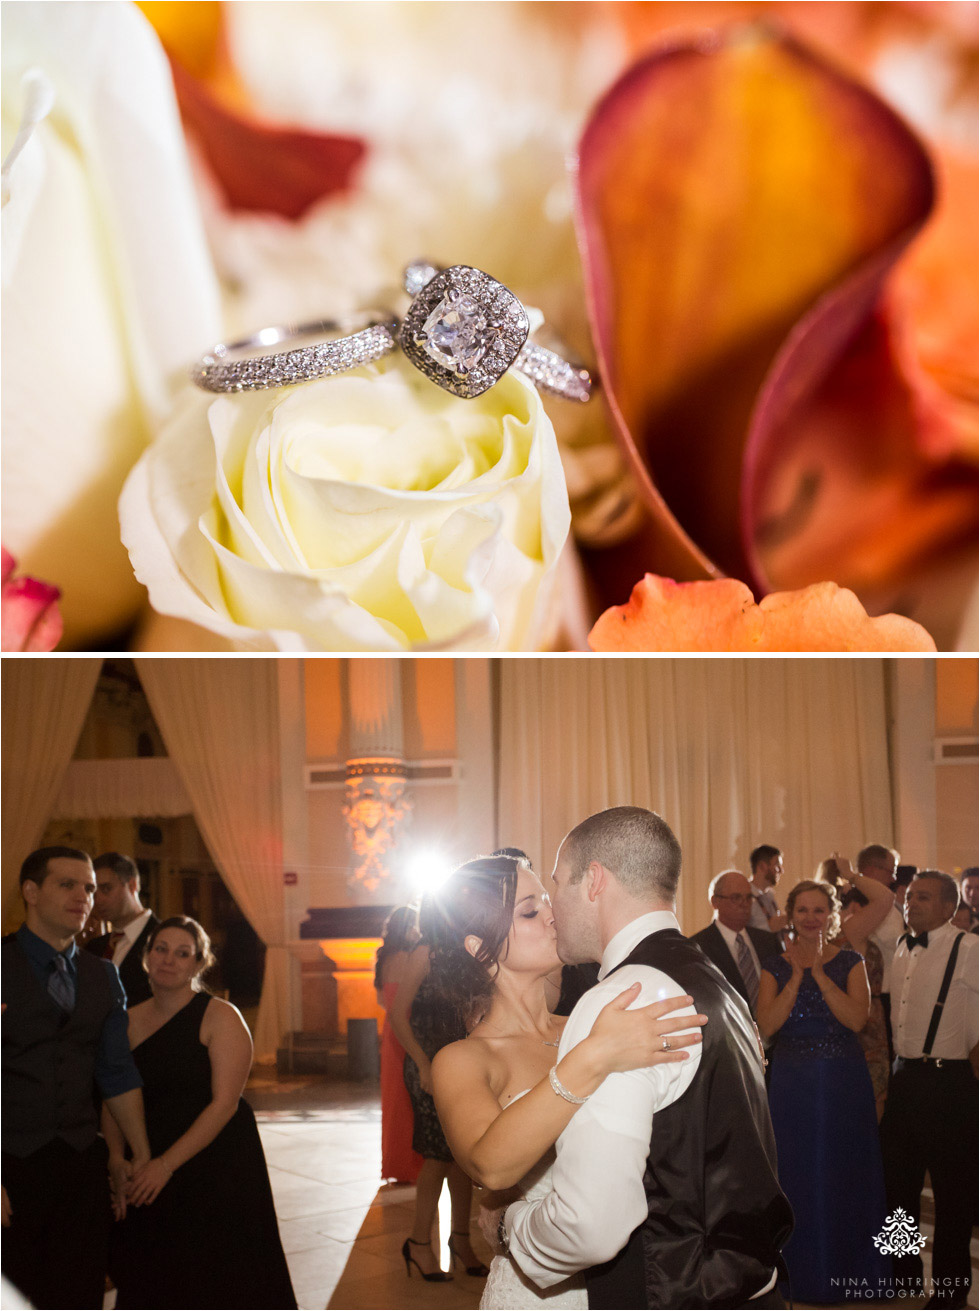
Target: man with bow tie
117, 900
930, 1120
64, 1038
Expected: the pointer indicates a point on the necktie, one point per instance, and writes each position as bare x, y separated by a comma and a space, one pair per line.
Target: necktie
768, 903
61, 987
921, 941
746, 967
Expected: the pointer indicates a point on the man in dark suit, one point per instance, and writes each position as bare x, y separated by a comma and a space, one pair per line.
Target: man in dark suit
730, 941
117, 900
64, 1038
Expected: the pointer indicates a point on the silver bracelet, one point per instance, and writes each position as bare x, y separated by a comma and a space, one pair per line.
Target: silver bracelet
562, 1091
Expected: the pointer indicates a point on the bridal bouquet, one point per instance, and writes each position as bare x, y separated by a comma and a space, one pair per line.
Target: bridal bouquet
756, 222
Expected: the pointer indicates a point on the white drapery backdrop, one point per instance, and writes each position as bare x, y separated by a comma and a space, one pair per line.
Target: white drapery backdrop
732, 753
104, 789
44, 706
220, 722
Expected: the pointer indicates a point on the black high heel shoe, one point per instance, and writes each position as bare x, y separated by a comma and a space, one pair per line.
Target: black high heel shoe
479, 1271
435, 1277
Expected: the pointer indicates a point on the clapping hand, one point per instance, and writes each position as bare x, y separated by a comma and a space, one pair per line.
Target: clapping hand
797, 959
822, 954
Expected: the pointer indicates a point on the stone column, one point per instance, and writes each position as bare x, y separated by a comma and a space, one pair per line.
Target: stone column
912, 697
374, 698
376, 801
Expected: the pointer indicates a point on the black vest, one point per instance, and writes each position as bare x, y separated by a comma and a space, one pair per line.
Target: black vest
49, 1060
717, 1216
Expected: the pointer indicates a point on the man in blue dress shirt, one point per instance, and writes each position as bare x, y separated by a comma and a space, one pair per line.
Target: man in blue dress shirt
64, 1041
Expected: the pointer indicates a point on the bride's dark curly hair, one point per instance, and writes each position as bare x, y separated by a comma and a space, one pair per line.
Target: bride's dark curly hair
477, 898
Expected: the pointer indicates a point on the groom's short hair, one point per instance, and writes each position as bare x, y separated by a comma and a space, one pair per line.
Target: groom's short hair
634, 844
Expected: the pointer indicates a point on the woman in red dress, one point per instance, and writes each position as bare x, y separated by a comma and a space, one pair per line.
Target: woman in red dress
398, 1160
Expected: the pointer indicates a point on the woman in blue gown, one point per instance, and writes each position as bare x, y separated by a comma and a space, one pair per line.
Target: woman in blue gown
816, 999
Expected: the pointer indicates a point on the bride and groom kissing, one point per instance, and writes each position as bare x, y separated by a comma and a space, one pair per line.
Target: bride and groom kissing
639, 1170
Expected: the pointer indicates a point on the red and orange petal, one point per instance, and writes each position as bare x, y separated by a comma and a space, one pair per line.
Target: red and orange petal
741, 205
29, 615
260, 166
663, 615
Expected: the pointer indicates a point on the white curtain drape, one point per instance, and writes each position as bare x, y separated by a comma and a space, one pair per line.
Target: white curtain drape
220, 722
731, 752
105, 789
44, 706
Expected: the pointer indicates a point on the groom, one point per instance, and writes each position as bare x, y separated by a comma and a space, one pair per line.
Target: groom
664, 1192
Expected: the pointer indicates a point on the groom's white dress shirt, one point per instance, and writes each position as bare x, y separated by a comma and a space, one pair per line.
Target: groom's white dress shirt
597, 1196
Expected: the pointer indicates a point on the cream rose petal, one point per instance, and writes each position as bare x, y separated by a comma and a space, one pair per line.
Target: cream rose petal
106, 280
246, 494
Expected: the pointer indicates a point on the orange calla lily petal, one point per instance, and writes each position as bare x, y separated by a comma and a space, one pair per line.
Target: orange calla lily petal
260, 166
741, 204
933, 302
724, 189
663, 615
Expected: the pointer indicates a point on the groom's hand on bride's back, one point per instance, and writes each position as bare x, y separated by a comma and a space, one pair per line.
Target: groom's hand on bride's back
631, 1037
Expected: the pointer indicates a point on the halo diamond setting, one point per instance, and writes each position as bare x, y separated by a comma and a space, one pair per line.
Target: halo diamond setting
464, 330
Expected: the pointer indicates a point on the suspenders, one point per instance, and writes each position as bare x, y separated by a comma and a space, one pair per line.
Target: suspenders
937, 1013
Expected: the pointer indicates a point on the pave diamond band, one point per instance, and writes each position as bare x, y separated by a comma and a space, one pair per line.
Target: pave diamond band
552, 373
247, 365
464, 330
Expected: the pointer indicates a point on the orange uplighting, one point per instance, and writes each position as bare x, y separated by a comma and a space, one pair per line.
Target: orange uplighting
353, 962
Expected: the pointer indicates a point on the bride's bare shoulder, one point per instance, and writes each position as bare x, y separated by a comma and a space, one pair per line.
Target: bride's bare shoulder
467, 1061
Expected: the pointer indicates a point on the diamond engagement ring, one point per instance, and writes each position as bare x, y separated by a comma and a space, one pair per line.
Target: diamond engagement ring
665, 1045
464, 330
247, 365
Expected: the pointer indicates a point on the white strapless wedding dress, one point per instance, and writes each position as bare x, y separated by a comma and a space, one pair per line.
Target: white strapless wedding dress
507, 1287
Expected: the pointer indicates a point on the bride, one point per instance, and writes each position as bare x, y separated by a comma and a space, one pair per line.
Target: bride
493, 947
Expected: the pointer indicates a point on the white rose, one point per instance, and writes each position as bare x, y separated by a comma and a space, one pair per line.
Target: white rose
108, 289
370, 511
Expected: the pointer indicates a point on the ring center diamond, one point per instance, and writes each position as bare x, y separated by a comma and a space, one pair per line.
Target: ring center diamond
457, 334
463, 329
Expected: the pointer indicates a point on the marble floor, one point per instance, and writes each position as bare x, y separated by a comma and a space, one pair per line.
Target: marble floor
342, 1232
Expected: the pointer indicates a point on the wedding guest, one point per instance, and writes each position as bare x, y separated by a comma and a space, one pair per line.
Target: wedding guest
735, 945
881, 864
424, 1024
930, 1120
64, 1036
400, 934
815, 999
860, 917
766, 862
197, 1222
117, 902
969, 894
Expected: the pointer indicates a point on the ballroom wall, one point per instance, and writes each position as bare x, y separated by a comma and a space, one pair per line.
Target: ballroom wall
809, 754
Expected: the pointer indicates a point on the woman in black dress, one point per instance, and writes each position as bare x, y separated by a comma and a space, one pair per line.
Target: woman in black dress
197, 1222
424, 1025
